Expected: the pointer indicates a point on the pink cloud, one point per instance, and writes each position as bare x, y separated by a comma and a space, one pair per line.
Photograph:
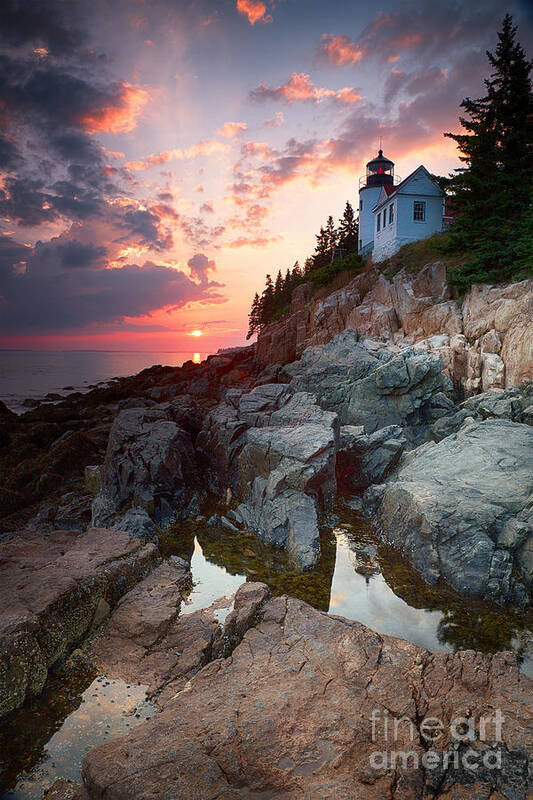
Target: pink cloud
276, 121
253, 241
118, 117
299, 88
255, 10
340, 50
205, 148
232, 129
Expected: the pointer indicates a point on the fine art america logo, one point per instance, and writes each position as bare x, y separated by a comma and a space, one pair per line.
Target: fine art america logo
458, 736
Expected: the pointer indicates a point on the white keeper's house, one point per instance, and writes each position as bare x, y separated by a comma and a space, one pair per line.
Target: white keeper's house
393, 212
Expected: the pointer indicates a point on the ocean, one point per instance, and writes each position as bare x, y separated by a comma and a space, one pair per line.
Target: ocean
32, 374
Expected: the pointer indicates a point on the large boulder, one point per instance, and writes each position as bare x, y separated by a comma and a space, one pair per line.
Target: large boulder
275, 449
149, 464
50, 589
320, 707
460, 509
373, 387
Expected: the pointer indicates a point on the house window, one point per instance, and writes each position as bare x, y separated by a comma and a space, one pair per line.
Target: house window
391, 214
379, 222
419, 211
361, 205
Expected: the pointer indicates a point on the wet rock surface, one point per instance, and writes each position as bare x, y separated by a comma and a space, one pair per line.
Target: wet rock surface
460, 509
51, 587
289, 714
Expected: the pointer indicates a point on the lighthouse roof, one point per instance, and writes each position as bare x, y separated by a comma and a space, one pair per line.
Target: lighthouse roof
380, 159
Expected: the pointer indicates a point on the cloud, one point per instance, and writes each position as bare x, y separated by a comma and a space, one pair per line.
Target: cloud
232, 129
412, 83
118, 116
55, 95
197, 233
299, 88
41, 23
340, 50
253, 241
204, 148
429, 104
276, 121
64, 286
199, 266
254, 10
414, 31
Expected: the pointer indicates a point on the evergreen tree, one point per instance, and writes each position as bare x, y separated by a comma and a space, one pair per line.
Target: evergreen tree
296, 274
278, 286
348, 229
254, 317
331, 237
322, 249
490, 194
524, 247
267, 301
308, 265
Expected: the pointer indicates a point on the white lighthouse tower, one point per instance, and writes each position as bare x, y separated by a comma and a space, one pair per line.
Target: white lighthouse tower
379, 172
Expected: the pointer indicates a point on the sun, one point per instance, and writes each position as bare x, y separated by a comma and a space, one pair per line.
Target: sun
196, 333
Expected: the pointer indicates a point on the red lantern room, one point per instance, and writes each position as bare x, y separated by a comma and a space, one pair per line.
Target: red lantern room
380, 171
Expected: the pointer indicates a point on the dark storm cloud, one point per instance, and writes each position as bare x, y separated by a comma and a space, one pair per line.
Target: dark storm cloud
56, 95
11, 253
63, 287
144, 225
9, 154
200, 266
23, 200
40, 22
76, 254
53, 103
416, 31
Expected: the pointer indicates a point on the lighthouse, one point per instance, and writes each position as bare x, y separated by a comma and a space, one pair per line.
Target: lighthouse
379, 174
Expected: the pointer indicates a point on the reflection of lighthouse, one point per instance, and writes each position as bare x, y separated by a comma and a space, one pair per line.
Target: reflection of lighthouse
379, 172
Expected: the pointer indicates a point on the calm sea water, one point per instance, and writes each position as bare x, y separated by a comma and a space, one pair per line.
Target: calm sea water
34, 373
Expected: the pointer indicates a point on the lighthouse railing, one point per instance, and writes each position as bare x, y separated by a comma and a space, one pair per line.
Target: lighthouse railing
396, 179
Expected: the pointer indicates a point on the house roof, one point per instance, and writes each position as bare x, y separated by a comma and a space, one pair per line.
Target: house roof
390, 190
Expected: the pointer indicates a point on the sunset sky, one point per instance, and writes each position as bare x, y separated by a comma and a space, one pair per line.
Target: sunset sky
159, 157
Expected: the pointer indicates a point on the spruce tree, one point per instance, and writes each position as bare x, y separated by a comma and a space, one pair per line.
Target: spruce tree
348, 229
254, 317
278, 286
491, 192
322, 249
267, 302
524, 246
331, 237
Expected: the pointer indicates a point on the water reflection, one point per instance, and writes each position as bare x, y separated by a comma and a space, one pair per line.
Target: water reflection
48, 739
222, 561
356, 577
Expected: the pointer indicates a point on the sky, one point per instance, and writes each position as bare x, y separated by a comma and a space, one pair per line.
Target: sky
159, 157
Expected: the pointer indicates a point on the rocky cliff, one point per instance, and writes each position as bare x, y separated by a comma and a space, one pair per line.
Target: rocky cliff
485, 340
